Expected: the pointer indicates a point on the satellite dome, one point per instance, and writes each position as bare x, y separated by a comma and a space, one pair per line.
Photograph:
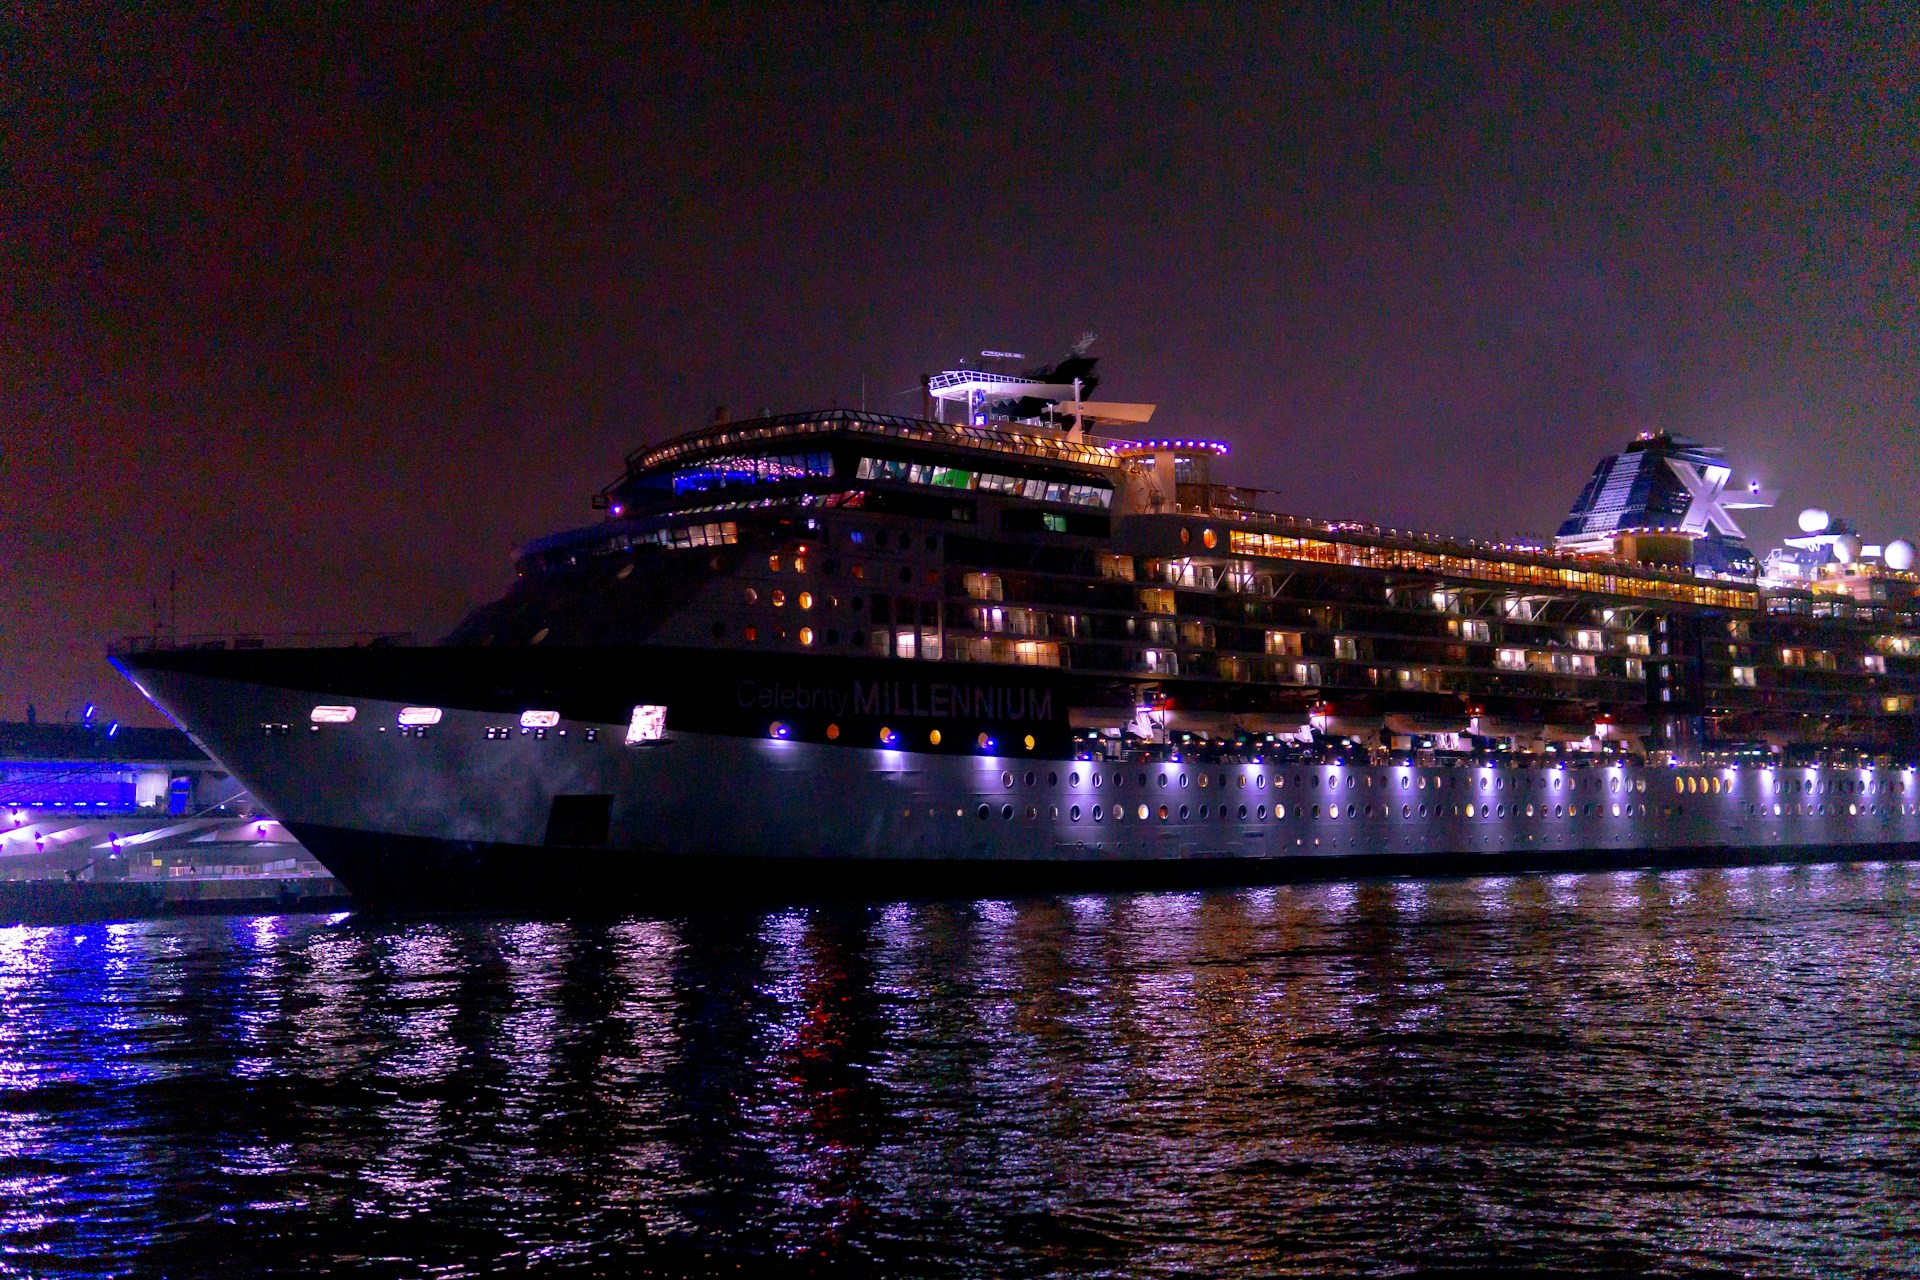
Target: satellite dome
1846, 548
1814, 520
1898, 555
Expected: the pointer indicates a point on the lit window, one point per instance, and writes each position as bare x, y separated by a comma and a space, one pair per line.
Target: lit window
1744, 677
649, 724
779, 599
806, 600
806, 635
1511, 659
1284, 643
539, 719
1345, 647
333, 715
419, 715
1875, 663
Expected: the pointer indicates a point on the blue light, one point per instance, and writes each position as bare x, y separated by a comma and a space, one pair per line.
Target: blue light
87, 715
113, 728
989, 745
778, 730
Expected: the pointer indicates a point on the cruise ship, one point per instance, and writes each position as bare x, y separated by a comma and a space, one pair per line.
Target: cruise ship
1021, 643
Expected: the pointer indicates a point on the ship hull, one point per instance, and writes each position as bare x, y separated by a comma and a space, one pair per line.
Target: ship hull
479, 812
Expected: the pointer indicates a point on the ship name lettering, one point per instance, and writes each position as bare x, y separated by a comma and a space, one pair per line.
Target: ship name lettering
940, 701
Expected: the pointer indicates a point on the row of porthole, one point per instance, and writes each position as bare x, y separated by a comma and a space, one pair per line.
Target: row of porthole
1143, 813
891, 738
1820, 811
1096, 779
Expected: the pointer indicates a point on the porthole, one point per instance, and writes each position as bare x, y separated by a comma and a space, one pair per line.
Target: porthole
1163, 780
1203, 811
1074, 813
1183, 781
985, 813
1163, 813
1073, 779
1243, 812
1142, 812
626, 571
806, 635
1029, 741
1209, 539
934, 738
1316, 811
773, 563
1279, 811
1405, 782
1053, 779
833, 732
805, 599
1183, 813
1349, 811
1423, 811
1096, 782
1260, 781
778, 599
1006, 811
1096, 813
1406, 811
1006, 780
1029, 777
1261, 813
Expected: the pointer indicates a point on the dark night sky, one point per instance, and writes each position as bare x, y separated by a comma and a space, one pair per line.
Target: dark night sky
333, 317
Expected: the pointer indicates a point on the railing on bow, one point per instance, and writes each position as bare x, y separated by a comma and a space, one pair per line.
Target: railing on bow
164, 642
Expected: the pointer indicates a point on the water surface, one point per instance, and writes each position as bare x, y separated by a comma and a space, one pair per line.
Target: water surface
1694, 1072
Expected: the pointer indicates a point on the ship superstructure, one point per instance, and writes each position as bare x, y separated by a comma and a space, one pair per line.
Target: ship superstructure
895, 646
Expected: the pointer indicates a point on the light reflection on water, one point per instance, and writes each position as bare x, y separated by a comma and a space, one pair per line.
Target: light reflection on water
1691, 1071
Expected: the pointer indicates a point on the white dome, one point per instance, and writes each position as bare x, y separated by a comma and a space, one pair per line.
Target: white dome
1814, 520
1898, 555
1846, 548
